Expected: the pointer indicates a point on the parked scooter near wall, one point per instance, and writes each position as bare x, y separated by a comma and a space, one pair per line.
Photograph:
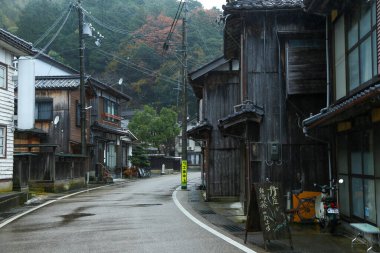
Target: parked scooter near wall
326, 206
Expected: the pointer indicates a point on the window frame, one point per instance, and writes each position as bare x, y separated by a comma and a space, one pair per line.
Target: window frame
113, 114
357, 46
365, 136
4, 68
38, 103
3, 154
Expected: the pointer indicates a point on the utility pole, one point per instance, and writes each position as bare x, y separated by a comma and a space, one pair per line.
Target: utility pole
82, 88
184, 100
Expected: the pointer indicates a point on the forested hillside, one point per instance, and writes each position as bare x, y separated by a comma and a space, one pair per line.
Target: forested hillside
131, 35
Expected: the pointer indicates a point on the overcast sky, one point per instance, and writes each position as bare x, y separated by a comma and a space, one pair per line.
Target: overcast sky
208, 4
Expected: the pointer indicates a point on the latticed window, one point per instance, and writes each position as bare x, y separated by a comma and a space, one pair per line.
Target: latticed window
355, 49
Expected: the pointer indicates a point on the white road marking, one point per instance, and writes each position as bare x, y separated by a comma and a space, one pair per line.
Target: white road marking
6, 222
209, 229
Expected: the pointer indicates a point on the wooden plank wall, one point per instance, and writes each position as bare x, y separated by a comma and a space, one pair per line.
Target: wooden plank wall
222, 93
283, 115
59, 133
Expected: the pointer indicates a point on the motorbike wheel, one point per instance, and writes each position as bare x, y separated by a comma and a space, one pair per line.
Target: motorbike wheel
333, 224
323, 223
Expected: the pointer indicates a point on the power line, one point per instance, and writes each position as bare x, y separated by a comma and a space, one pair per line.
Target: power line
55, 35
174, 24
137, 67
104, 25
43, 36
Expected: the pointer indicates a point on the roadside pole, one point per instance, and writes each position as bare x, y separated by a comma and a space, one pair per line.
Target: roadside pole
184, 101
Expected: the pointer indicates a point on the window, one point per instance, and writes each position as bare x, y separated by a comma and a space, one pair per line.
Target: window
340, 59
44, 109
111, 110
3, 138
3, 76
355, 47
361, 42
357, 163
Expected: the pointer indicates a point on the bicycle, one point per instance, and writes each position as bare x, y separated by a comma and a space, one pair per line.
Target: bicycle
304, 212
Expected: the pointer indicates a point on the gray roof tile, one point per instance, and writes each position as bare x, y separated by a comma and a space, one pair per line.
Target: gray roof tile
57, 82
263, 4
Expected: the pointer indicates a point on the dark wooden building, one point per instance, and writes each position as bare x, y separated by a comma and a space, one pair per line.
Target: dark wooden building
281, 80
216, 85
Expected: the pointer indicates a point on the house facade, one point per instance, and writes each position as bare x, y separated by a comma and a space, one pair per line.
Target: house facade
49, 156
10, 48
352, 116
261, 107
216, 86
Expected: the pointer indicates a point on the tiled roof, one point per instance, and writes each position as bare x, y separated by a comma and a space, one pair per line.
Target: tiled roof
196, 131
16, 42
55, 82
246, 109
330, 112
263, 4
110, 129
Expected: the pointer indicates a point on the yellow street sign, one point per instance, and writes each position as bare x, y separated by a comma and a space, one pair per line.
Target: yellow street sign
184, 174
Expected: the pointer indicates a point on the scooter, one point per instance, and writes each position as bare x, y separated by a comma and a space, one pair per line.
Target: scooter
326, 207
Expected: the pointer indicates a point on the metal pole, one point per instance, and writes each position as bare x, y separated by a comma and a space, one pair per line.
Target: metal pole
82, 88
184, 101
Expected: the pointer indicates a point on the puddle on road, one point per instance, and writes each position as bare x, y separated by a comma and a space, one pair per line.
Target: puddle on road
144, 205
73, 216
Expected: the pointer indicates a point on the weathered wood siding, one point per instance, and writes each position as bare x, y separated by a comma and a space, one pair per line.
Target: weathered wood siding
59, 133
221, 94
75, 131
267, 35
305, 70
6, 120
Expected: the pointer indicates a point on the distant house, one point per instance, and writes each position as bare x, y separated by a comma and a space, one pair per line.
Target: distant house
194, 149
350, 119
11, 47
51, 151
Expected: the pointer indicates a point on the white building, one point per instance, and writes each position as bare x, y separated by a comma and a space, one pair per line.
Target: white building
11, 47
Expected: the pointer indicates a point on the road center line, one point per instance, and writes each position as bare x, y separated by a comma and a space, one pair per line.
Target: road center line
209, 229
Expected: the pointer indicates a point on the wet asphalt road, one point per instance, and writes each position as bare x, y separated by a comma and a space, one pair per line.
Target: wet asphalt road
137, 216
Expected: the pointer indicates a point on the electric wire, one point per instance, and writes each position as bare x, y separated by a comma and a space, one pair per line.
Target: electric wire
55, 35
56, 22
137, 67
104, 25
173, 26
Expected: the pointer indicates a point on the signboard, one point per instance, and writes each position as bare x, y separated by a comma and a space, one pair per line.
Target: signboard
184, 174
266, 212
